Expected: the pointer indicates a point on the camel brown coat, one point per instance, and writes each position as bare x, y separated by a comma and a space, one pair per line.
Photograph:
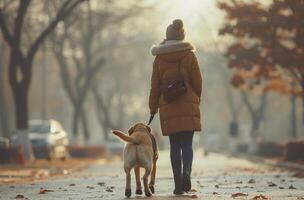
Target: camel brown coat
184, 113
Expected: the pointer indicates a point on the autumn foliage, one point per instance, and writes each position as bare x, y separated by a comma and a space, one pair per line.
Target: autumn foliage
268, 46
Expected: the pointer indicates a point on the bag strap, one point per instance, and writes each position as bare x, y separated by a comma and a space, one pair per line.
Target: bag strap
179, 68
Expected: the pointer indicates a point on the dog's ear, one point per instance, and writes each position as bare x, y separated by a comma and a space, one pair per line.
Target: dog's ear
149, 128
131, 130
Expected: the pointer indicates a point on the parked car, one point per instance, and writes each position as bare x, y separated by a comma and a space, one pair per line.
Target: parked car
4, 150
49, 139
4, 142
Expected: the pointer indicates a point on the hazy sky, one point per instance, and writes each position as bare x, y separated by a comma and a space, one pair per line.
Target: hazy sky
202, 18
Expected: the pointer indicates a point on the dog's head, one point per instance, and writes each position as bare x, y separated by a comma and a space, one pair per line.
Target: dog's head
139, 126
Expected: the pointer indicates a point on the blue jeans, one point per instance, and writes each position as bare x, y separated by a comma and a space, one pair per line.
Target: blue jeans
181, 154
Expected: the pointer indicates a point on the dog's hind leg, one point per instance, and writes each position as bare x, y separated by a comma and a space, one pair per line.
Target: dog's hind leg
128, 182
152, 177
145, 180
138, 184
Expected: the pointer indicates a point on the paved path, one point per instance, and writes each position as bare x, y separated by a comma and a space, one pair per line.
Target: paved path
214, 177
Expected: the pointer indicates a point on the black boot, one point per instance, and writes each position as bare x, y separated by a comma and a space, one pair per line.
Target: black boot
186, 180
178, 185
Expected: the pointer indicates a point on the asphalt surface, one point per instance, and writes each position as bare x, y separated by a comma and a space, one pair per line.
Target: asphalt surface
214, 177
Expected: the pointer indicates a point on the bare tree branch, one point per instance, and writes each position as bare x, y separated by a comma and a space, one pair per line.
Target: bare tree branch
23, 6
63, 12
5, 32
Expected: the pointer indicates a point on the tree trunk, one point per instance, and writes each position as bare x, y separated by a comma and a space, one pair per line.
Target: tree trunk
293, 116
121, 111
20, 95
21, 106
257, 113
4, 118
75, 121
85, 127
3, 111
256, 121
103, 114
302, 100
80, 116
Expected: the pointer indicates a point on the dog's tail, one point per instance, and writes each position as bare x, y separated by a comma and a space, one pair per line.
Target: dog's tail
125, 137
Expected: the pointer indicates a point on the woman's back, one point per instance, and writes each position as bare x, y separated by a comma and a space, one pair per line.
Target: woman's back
182, 114
175, 64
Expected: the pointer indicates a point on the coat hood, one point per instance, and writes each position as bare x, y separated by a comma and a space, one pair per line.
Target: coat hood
174, 56
171, 46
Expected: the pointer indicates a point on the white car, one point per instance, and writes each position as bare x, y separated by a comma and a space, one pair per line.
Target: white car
48, 138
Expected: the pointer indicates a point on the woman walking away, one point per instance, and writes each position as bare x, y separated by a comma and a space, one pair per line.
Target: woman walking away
176, 86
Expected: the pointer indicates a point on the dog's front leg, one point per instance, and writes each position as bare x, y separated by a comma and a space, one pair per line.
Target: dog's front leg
128, 182
138, 184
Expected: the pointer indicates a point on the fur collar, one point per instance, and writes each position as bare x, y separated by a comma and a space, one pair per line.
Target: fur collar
171, 46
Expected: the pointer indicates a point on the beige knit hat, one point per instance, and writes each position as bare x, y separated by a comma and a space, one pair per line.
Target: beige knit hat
175, 31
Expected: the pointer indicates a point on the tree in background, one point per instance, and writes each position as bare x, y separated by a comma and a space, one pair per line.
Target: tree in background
268, 50
4, 114
81, 51
77, 38
22, 54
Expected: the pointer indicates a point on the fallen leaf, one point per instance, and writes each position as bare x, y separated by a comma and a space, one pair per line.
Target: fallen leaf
292, 187
258, 197
215, 193
72, 184
271, 184
101, 183
44, 191
239, 194
109, 189
281, 187
11, 186
90, 187
251, 180
216, 186
193, 190
19, 196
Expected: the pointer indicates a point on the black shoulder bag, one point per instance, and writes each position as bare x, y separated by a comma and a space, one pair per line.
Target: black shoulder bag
173, 90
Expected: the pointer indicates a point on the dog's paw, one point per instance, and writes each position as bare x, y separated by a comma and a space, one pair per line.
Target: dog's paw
148, 193
128, 192
151, 188
139, 191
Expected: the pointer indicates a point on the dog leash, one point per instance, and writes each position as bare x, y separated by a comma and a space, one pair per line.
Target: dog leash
151, 119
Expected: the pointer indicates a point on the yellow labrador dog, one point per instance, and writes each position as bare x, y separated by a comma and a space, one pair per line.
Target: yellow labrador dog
140, 151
